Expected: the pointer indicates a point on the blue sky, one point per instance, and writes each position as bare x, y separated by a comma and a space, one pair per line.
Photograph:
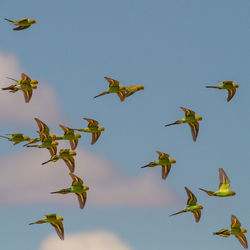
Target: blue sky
173, 48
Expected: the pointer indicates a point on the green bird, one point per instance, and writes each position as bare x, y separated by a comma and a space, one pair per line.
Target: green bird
76, 188
92, 128
223, 187
69, 134
16, 138
114, 87
164, 161
132, 89
67, 156
230, 86
191, 206
22, 24
25, 84
55, 221
47, 139
192, 121
235, 230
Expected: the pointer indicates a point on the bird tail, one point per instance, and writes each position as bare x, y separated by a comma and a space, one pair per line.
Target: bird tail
9, 20
182, 211
4, 136
103, 93
31, 146
212, 87
37, 222
12, 87
145, 166
13, 79
223, 233
173, 123
210, 193
46, 162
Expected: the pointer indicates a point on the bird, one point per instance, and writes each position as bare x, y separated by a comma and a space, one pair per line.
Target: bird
67, 156
164, 161
25, 84
223, 190
55, 221
76, 188
130, 90
114, 87
191, 206
92, 128
192, 121
22, 23
16, 138
230, 86
69, 134
235, 230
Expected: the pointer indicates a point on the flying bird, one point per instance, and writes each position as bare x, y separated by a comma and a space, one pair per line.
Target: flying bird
76, 188
223, 187
55, 221
16, 138
92, 128
25, 84
22, 24
192, 121
235, 230
69, 134
191, 206
230, 86
114, 87
164, 161
67, 156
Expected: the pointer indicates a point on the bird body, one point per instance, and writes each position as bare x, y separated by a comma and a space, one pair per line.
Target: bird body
164, 161
77, 188
16, 138
192, 121
192, 206
55, 221
22, 23
235, 230
230, 86
223, 190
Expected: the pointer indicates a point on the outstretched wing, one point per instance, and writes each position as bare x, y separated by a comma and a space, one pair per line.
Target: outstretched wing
73, 144
162, 155
165, 171
76, 180
188, 112
43, 128
95, 137
92, 123
191, 198
24, 78
235, 222
70, 162
82, 197
242, 239
121, 95
27, 93
231, 93
112, 82
194, 129
197, 214
224, 181
59, 229
66, 129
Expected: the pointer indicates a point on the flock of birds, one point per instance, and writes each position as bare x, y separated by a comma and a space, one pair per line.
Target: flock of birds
50, 142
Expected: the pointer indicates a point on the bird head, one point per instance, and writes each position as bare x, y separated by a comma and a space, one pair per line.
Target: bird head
232, 192
55, 143
172, 160
200, 206
236, 85
86, 188
53, 137
60, 218
198, 118
78, 136
26, 138
72, 153
243, 230
32, 21
100, 128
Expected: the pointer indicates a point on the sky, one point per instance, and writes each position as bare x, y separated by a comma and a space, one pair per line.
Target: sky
172, 47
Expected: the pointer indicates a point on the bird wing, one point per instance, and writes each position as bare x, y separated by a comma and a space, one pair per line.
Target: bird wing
92, 122
165, 171
66, 129
162, 155
235, 222
22, 27
224, 181
194, 129
82, 199
76, 180
231, 93
73, 144
27, 93
43, 128
192, 200
18, 135
121, 95
188, 112
95, 137
112, 82
62, 151
242, 239
59, 229
24, 78
53, 150
70, 162
50, 216
197, 214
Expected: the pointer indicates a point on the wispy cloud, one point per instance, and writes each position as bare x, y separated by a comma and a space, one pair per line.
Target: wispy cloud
44, 102
108, 185
95, 240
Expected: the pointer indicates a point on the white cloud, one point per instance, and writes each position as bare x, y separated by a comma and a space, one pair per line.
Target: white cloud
96, 240
108, 186
43, 104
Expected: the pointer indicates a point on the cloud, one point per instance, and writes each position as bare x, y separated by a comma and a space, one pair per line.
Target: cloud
96, 240
108, 185
43, 104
